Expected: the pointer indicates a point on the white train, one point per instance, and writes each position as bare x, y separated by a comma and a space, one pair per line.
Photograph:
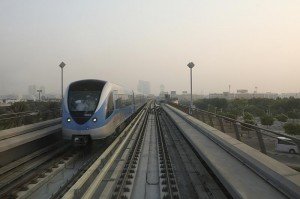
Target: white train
96, 109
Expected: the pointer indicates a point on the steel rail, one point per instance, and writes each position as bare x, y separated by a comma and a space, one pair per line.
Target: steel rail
14, 178
88, 184
169, 184
131, 161
276, 178
205, 183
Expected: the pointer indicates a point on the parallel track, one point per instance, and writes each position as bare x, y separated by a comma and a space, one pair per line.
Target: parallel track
133, 170
168, 180
131, 163
14, 176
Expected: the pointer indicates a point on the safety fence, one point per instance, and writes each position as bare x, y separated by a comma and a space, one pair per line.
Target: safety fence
257, 137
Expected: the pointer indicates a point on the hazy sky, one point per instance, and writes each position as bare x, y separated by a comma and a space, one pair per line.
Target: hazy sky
242, 43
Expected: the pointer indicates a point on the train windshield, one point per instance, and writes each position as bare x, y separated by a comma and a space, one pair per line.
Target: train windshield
84, 95
83, 100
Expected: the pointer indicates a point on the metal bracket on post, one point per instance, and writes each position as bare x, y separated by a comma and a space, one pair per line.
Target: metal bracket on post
261, 141
210, 120
237, 133
190, 110
203, 117
221, 124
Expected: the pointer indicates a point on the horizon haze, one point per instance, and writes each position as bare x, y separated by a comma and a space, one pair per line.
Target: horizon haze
244, 44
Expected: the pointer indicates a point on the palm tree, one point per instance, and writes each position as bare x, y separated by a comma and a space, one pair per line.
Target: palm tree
50, 110
16, 118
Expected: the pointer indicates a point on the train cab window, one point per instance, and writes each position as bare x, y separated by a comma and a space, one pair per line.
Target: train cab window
110, 105
84, 95
83, 100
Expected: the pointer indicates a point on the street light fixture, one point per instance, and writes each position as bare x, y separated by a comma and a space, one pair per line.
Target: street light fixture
191, 65
62, 65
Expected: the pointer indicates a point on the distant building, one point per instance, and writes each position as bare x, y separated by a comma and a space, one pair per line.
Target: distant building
288, 95
270, 95
32, 90
242, 91
187, 97
144, 87
243, 94
163, 96
10, 97
162, 88
173, 95
225, 95
43, 93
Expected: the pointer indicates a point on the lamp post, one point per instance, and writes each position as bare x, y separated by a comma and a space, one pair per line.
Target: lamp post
191, 65
62, 65
39, 91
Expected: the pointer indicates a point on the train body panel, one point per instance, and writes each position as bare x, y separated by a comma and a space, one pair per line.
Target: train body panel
95, 109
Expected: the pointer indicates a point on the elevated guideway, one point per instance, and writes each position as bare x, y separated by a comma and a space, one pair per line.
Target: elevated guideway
244, 171
160, 155
20, 141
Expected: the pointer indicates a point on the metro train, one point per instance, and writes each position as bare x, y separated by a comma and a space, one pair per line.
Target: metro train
96, 109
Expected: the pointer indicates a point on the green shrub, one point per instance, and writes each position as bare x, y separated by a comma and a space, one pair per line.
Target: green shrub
266, 120
246, 126
292, 128
282, 117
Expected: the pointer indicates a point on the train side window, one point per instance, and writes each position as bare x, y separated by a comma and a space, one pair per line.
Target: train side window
110, 105
122, 101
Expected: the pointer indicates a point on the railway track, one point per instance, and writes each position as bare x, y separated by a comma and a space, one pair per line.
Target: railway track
29, 161
36, 175
151, 158
101, 177
18, 131
146, 165
19, 174
191, 169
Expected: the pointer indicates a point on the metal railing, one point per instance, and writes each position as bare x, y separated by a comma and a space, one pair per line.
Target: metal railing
257, 137
12, 120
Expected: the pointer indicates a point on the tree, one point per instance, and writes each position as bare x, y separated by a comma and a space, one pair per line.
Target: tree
50, 110
229, 115
266, 120
16, 120
293, 114
248, 119
210, 104
292, 128
282, 117
248, 125
248, 116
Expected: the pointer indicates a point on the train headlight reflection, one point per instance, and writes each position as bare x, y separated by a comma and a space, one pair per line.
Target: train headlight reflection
94, 119
68, 120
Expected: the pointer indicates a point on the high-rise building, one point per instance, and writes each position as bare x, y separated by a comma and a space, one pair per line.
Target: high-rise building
32, 90
162, 88
144, 87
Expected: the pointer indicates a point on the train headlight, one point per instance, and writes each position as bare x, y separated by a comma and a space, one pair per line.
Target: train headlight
94, 119
68, 120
